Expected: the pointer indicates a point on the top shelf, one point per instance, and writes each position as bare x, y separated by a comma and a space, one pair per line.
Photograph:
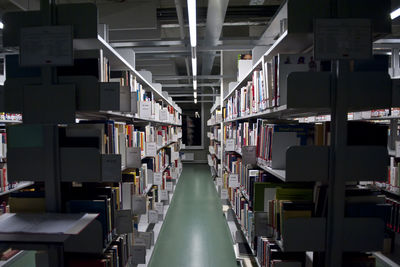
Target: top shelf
117, 62
215, 106
246, 78
119, 115
286, 43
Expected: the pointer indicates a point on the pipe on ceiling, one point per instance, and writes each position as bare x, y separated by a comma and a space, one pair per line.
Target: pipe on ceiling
216, 12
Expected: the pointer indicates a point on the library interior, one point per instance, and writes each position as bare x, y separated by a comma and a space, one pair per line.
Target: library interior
199, 133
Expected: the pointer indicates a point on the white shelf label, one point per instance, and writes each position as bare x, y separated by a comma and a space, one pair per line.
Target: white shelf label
153, 216
174, 155
169, 186
163, 115
163, 195
366, 114
230, 145
174, 174
159, 207
151, 149
397, 144
357, 116
219, 181
157, 178
224, 193
233, 180
145, 109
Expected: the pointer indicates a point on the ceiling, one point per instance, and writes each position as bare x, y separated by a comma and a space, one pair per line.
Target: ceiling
158, 32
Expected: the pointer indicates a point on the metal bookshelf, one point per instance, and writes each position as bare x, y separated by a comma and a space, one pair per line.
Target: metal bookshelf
83, 233
337, 94
17, 187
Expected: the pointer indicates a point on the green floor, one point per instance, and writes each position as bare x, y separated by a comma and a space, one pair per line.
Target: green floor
195, 232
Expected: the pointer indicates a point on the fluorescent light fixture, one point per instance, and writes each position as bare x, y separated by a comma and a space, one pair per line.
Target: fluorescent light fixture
395, 13
194, 66
191, 5
1, 25
195, 94
195, 100
194, 85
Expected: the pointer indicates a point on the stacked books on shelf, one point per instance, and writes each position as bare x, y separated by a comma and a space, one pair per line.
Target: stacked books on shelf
274, 139
10, 117
268, 87
216, 117
103, 168
215, 148
249, 100
243, 134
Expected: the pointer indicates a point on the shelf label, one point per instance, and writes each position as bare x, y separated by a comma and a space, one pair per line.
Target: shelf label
133, 157
249, 155
174, 173
153, 216
357, 116
145, 109
366, 114
219, 181
397, 144
342, 39
157, 178
174, 155
233, 180
46, 46
224, 193
159, 207
163, 195
151, 149
230, 145
150, 175
169, 186
163, 115
211, 150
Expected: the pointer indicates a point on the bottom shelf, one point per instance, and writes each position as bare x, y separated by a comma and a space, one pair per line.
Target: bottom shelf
143, 226
14, 258
252, 257
387, 260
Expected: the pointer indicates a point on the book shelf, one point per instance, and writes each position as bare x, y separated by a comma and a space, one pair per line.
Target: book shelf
262, 111
215, 148
101, 154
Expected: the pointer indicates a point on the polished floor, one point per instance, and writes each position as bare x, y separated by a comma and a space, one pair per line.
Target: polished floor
195, 232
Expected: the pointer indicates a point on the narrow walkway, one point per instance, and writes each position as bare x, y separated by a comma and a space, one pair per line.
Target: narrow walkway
195, 232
